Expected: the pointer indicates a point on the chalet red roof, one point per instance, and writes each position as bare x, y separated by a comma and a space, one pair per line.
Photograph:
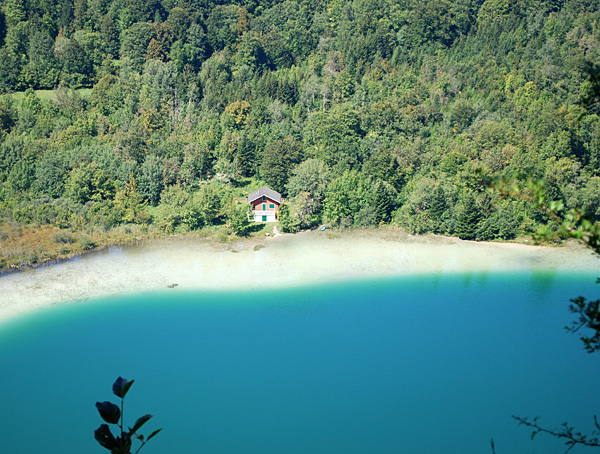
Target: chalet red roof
264, 191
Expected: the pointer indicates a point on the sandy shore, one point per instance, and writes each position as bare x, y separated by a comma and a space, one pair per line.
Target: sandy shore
306, 258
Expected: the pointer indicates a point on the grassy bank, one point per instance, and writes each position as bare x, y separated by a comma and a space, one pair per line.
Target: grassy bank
29, 246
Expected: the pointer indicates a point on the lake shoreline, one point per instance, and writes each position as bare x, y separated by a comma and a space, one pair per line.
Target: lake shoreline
125, 241
190, 262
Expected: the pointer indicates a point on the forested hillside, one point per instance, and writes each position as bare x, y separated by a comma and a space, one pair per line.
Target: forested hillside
360, 112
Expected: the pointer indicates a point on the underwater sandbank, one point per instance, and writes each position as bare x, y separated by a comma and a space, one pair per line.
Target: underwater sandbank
184, 263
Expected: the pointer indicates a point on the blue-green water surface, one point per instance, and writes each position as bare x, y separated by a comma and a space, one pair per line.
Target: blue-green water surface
422, 364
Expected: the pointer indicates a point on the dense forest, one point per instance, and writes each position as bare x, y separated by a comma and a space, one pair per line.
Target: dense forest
131, 114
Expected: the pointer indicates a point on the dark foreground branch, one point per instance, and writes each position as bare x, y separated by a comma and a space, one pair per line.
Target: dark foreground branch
565, 432
588, 313
568, 224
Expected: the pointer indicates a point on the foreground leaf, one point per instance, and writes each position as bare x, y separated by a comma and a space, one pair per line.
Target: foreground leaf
121, 386
154, 433
109, 412
104, 436
139, 423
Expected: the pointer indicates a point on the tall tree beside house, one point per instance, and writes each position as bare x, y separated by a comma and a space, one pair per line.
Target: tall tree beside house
288, 222
245, 155
237, 218
278, 160
311, 177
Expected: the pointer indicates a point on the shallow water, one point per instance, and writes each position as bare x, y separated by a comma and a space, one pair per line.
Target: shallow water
425, 364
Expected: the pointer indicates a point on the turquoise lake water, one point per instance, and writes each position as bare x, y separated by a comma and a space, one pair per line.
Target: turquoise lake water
423, 364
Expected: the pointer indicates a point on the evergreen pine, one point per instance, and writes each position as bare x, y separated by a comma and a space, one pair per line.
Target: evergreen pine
468, 217
438, 208
383, 202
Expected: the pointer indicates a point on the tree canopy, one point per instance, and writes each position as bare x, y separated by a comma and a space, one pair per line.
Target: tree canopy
359, 112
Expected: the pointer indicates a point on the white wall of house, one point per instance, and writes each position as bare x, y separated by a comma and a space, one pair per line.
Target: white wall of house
270, 216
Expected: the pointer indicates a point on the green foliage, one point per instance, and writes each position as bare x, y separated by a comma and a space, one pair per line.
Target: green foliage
411, 96
135, 43
350, 199
289, 222
108, 95
62, 213
63, 237
468, 218
7, 116
130, 204
174, 207
383, 165
335, 137
251, 53
311, 177
279, 157
191, 51
237, 219
89, 182
85, 244
438, 206
51, 173
11, 152
566, 223
109, 35
179, 208
197, 164
220, 26
150, 180
383, 201
75, 64
21, 176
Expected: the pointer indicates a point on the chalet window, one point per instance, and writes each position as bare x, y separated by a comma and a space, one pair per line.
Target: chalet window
264, 206
264, 199
271, 206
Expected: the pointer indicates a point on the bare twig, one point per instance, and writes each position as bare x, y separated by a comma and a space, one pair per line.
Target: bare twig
564, 432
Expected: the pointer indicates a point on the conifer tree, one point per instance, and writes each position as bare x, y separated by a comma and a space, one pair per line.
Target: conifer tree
14, 12
383, 202
438, 208
468, 218
438, 203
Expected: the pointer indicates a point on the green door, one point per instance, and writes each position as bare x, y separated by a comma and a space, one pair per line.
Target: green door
264, 219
